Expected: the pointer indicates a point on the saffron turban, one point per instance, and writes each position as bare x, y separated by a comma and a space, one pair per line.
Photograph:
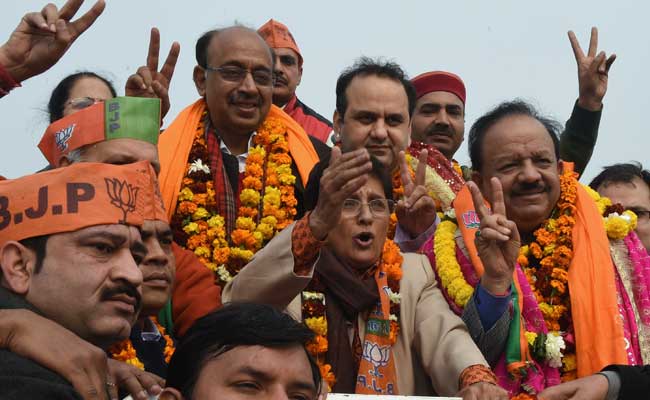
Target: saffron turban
439, 81
76, 197
277, 36
117, 118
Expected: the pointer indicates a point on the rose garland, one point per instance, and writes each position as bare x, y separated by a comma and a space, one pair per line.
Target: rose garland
267, 200
125, 352
314, 316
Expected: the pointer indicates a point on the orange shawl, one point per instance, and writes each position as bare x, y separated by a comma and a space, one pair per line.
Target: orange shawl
176, 142
600, 340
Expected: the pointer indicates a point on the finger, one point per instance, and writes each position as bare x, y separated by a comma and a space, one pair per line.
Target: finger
488, 233
161, 92
593, 42
609, 62
418, 193
170, 63
496, 198
91, 386
352, 186
154, 50
112, 392
598, 65
502, 225
69, 9
36, 20
151, 383
338, 180
420, 172
335, 155
145, 73
51, 15
577, 51
85, 21
135, 82
405, 175
132, 385
478, 200
422, 205
514, 232
63, 36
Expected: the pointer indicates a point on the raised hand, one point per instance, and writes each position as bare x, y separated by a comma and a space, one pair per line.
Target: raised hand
345, 174
148, 81
42, 38
593, 70
497, 239
417, 211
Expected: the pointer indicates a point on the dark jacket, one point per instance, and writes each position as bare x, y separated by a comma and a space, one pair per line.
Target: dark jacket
23, 379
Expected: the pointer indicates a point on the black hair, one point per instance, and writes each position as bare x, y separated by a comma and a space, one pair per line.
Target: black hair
503, 110
61, 93
366, 66
38, 245
312, 190
235, 324
623, 172
203, 43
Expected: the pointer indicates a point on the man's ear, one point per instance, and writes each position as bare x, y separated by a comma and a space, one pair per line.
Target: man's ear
299, 77
560, 166
199, 80
17, 263
170, 393
337, 122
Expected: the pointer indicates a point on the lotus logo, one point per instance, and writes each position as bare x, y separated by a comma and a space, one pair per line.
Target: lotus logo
123, 195
377, 355
61, 137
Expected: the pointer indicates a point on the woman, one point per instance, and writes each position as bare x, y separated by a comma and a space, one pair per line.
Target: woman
382, 324
78, 91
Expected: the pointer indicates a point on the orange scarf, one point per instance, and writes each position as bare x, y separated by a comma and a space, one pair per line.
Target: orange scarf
591, 283
176, 142
377, 365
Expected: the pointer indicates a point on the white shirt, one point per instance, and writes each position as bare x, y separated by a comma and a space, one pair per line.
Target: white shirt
241, 159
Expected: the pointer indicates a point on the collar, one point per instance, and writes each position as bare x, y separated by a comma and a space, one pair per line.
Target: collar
150, 332
241, 159
291, 104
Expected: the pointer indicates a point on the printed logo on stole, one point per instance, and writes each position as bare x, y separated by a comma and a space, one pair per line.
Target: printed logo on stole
471, 220
62, 137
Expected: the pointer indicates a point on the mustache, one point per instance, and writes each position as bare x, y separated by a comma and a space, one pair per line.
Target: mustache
439, 129
527, 188
239, 97
123, 288
279, 77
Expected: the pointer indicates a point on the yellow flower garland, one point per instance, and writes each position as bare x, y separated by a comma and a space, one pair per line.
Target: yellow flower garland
267, 200
447, 266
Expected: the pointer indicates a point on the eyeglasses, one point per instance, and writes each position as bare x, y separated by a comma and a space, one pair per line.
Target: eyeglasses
641, 214
83, 102
233, 73
378, 207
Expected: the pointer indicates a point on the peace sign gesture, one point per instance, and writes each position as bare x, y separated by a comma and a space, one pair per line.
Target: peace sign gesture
42, 38
592, 71
497, 239
417, 211
148, 81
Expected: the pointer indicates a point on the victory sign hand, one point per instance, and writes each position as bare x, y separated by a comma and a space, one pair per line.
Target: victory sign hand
417, 211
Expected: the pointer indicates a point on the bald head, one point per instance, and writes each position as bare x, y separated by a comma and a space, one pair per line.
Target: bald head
235, 32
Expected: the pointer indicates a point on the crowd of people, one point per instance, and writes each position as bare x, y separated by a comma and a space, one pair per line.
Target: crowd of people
254, 249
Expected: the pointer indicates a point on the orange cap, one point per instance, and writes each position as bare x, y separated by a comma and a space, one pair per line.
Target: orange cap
76, 197
277, 36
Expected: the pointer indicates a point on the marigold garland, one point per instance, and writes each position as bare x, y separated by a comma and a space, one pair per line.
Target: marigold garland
447, 266
314, 310
267, 202
125, 352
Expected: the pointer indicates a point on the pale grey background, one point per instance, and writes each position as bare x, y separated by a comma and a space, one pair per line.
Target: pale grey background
502, 49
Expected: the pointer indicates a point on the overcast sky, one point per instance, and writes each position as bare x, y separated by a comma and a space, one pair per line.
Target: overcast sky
502, 50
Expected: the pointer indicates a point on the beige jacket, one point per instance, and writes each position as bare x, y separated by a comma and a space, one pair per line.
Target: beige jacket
433, 346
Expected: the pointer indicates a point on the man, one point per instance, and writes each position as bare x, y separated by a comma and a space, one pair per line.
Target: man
288, 73
244, 350
85, 216
206, 162
40, 40
514, 153
629, 186
439, 117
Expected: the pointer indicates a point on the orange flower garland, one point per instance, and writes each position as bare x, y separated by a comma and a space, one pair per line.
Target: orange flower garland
546, 261
314, 315
267, 200
125, 352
